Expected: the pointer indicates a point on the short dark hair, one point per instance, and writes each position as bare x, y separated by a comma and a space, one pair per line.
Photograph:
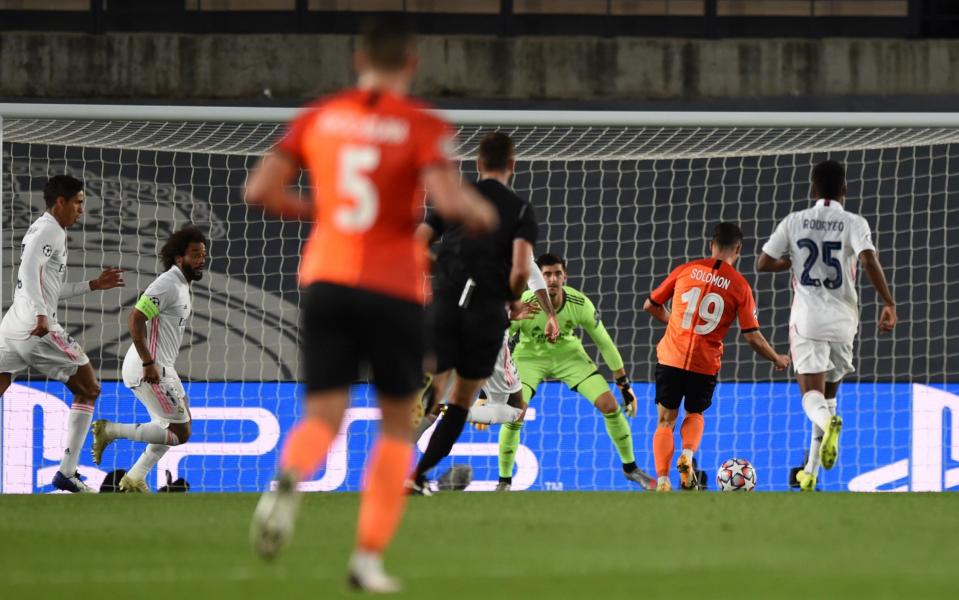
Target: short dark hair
495, 151
727, 235
388, 43
829, 176
548, 260
178, 243
61, 185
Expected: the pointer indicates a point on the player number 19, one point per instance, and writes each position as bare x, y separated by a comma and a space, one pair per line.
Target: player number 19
710, 311
355, 165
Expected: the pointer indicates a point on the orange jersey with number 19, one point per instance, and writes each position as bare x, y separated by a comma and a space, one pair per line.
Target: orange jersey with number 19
707, 296
364, 151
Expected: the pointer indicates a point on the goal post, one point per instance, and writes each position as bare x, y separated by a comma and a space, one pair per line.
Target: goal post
623, 196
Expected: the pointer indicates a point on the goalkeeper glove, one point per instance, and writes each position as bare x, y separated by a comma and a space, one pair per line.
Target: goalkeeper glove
629, 398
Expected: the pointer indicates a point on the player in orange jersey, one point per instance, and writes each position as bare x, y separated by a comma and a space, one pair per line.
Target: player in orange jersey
368, 151
707, 296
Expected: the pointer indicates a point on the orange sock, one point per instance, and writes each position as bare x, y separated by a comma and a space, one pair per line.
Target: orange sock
663, 447
691, 431
305, 448
384, 497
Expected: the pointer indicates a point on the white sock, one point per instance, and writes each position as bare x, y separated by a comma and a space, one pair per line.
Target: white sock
831, 404
493, 413
150, 457
812, 462
814, 403
143, 432
425, 424
688, 453
78, 424
663, 479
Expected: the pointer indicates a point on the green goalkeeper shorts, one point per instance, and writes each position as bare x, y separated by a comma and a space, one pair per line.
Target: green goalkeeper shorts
574, 368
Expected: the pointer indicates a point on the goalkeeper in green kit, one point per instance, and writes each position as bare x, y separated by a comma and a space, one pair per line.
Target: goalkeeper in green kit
566, 360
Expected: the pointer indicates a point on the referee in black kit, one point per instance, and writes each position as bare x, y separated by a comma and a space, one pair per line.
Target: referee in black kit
474, 280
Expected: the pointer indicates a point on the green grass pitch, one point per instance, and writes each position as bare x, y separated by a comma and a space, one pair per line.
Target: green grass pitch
491, 546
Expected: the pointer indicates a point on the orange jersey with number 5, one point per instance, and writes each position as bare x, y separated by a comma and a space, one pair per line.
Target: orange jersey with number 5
365, 151
707, 296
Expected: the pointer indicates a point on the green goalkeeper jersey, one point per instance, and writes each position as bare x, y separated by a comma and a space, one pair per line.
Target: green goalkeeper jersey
577, 311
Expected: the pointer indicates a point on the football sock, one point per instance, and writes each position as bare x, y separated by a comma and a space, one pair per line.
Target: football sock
143, 432
691, 432
508, 443
663, 447
493, 413
814, 403
306, 447
384, 495
617, 428
688, 453
444, 436
150, 457
831, 405
812, 461
78, 424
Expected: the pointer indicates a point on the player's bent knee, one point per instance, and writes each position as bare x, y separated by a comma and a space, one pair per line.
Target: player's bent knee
606, 404
182, 431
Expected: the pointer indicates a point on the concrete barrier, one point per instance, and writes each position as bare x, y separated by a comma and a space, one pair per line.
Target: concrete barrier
234, 67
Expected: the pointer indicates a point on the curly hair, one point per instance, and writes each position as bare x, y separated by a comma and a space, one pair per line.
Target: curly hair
178, 243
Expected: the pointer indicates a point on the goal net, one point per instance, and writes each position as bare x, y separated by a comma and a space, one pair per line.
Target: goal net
623, 197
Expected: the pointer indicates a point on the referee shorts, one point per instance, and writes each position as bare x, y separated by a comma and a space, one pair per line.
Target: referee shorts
466, 339
342, 328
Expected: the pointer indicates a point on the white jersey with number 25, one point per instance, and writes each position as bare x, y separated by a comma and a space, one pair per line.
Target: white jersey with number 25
824, 243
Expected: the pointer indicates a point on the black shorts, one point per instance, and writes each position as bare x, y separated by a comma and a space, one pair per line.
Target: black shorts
341, 328
672, 385
466, 339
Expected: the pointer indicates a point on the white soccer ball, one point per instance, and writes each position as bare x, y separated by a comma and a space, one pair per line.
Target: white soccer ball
736, 475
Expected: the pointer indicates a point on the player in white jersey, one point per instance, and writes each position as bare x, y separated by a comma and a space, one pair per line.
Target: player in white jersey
30, 335
822, 246
156, 324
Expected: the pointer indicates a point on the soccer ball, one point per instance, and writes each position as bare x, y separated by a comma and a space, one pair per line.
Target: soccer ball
736, 475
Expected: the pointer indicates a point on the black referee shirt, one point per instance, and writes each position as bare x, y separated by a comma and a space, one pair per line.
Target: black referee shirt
486, 259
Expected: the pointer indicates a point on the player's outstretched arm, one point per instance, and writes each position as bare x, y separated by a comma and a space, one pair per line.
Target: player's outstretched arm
870, 264
144, 310
768, 264
658, 311
267, 187
457, 202
519, 272
537, 283
110, 278
761, 347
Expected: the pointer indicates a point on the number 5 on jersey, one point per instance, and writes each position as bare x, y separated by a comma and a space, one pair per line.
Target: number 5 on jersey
355, 165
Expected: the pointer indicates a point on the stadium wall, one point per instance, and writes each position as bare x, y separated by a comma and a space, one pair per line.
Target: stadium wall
296, 67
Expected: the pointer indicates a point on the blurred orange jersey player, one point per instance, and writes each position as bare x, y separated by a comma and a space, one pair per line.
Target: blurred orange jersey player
707, 296
365, 150
362, 280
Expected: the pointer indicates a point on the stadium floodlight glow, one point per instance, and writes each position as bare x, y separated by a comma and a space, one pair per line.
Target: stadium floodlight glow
625, 196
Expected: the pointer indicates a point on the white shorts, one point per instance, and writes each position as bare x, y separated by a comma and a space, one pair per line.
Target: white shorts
505, 379
166, 401
57, 355
821, 356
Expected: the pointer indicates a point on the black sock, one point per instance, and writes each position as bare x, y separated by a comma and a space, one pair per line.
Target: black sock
629, 467
508, 480
444, 436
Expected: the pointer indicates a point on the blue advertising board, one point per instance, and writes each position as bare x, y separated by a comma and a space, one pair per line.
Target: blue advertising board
897, 437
